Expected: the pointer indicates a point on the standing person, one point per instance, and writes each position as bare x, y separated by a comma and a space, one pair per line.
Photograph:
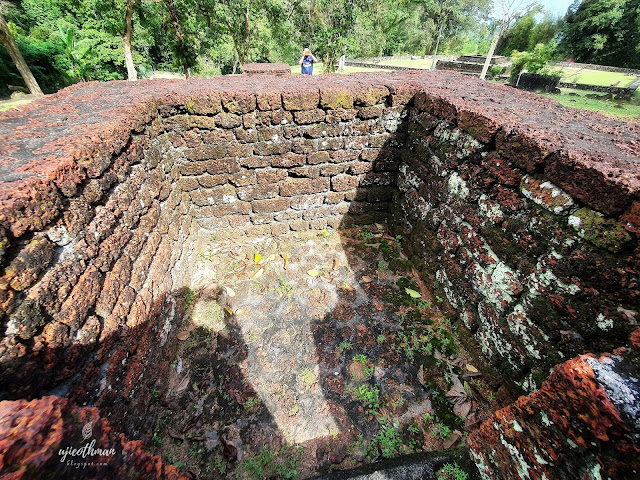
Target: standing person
307, 60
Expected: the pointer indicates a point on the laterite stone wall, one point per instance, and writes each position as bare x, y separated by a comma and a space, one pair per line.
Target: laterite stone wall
523, 215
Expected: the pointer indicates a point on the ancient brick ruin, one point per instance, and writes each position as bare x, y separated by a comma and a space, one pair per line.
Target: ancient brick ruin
524, 215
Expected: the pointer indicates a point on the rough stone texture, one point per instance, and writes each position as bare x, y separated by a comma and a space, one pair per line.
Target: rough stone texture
527, 212
37, 440
266, 68
582, 423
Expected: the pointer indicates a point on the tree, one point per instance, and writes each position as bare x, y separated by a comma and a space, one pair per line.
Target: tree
6, 38
528, 31
126, 41
603, 31
508, 11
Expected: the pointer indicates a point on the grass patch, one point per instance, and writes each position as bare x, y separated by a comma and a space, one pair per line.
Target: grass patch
618, 110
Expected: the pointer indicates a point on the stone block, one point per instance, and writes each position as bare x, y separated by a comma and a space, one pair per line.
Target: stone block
303, 186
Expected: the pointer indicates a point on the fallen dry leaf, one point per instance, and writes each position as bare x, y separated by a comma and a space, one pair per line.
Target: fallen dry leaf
313, 273
421, 375
367, 279
182, 336
257, 274
230, 291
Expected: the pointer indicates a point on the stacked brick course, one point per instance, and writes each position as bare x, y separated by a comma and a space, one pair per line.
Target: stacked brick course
526, 212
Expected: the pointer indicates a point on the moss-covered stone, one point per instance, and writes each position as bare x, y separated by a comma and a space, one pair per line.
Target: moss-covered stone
600, 231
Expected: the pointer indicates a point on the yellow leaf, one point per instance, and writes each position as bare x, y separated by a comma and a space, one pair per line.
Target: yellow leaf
313, 273
229, 311
257, 274
271, 258
286, 260
257, 257
471, 368
412, 293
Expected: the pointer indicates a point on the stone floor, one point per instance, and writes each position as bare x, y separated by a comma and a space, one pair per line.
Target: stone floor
304, 354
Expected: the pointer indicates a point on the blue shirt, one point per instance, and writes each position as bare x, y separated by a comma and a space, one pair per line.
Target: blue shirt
307, 65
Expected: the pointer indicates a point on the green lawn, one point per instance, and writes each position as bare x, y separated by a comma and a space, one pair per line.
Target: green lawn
420, 63
621, 110
318, 69
593, 77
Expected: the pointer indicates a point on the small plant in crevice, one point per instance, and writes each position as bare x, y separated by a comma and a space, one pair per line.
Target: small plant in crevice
386, 443
368, 396
344, 345
442, 431
189, 295
451, 471
269, 463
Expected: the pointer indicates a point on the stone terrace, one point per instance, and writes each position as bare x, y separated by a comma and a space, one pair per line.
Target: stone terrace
526, 213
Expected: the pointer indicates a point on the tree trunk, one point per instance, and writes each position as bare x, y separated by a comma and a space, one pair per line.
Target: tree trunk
126, 42
246, 35
6, 38
492, 49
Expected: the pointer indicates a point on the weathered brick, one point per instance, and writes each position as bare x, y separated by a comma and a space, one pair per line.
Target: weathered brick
331, 170
279, 228
269, 100
268, 134
317, 157
240, 102
302, 186
341, 156
304, 117
334, 197
192, 168
239, 208
255, 161
258, 192
305, 202
371, 95
239, 150
360, 167
342, 182
374, 111
224, 165
340, 115
261, 218
206, 152
301, 99
187, 184
217, 136
251, 120
288, 160
299, 225
212, 180
305, 171
319, 130
243, 178
315, 213
334, 97
270, 175
228, 120
270, 205
281, 117
272, 148
246, 135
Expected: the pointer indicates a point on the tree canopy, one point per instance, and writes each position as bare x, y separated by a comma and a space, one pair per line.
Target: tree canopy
605, 32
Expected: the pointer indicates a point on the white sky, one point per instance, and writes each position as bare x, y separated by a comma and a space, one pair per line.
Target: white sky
556, 7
